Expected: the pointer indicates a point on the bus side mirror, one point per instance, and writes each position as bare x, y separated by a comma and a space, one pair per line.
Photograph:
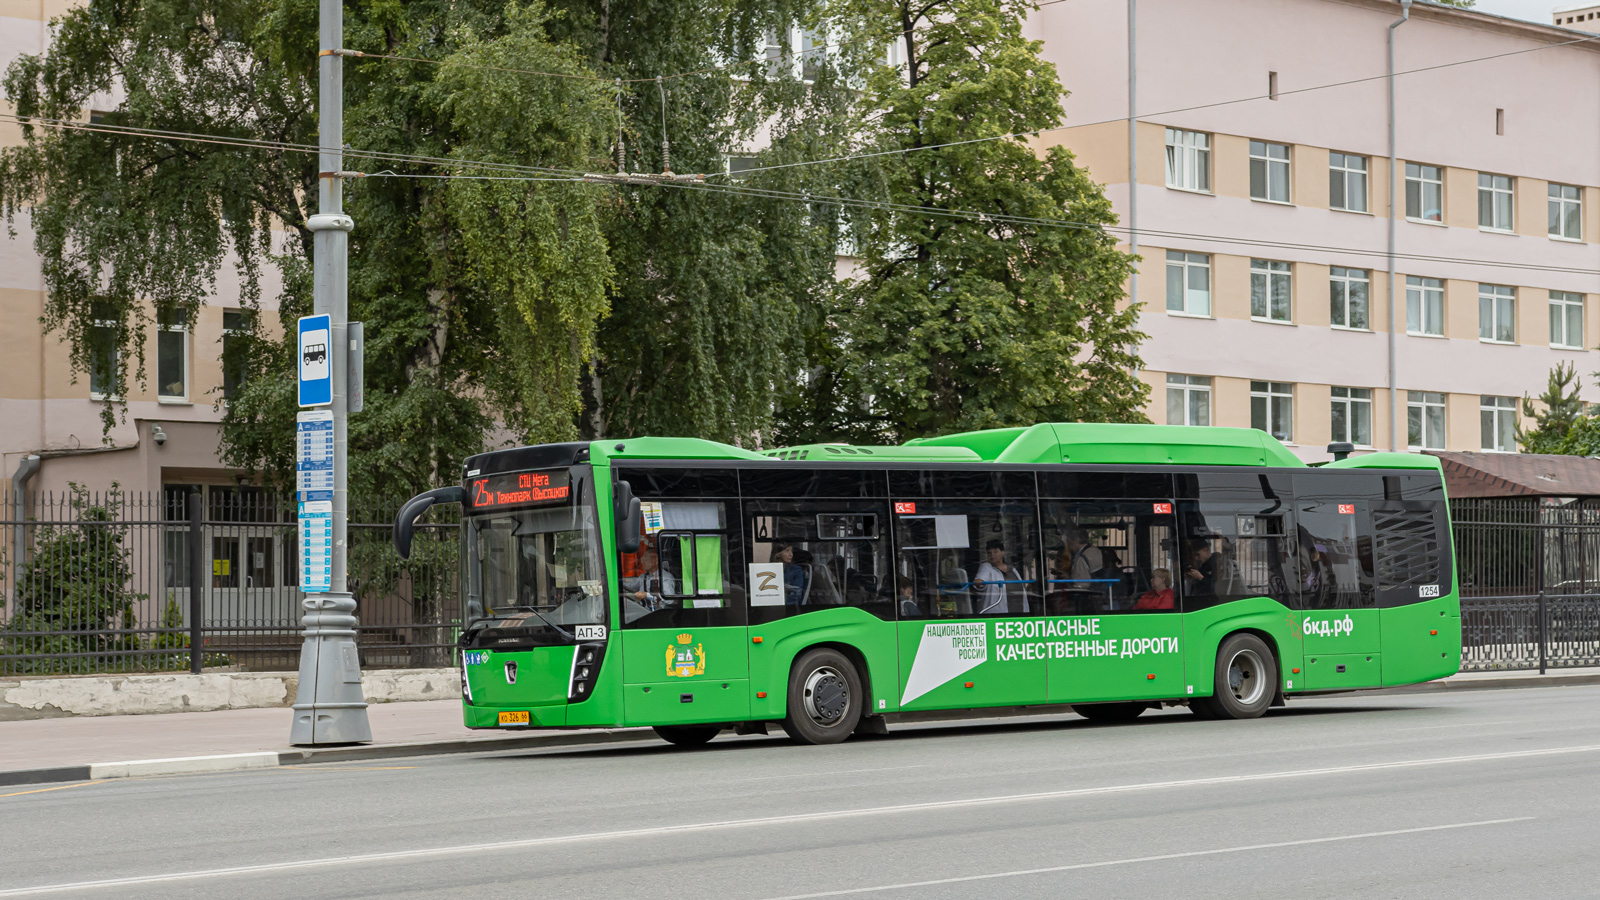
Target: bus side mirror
414, 508
629, 519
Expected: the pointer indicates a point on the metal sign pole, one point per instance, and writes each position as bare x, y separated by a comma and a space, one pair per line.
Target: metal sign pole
329, 707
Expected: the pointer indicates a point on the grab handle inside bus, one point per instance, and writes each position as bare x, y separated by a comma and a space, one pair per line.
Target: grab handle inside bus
414, 508
630, 520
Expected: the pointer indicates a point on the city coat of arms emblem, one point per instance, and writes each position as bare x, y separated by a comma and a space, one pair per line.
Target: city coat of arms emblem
684, 661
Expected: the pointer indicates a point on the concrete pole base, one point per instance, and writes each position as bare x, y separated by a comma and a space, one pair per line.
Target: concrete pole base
328, 705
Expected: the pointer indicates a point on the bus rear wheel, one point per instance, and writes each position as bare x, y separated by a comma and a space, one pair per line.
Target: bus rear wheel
1246, 678
1109, 712
825, 698
687, 735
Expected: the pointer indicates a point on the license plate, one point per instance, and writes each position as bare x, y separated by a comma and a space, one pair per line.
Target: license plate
514, 718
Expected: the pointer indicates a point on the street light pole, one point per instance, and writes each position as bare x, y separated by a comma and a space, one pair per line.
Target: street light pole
329, 707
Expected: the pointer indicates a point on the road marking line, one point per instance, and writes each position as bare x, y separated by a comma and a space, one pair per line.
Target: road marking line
45, 790
1147, 859
839, 772
662, 830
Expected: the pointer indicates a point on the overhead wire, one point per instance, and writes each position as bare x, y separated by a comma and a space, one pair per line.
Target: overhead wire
517, 172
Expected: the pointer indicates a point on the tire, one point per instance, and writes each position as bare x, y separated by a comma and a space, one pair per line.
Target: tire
1109, 712
687, 735
1246, 678
825, 698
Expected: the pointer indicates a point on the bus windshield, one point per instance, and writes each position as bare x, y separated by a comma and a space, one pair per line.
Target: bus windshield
536, 560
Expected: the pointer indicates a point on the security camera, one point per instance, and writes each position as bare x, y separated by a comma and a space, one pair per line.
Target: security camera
159, 436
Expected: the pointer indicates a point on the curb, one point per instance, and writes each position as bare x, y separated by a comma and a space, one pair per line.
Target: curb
234, 762
1486, 684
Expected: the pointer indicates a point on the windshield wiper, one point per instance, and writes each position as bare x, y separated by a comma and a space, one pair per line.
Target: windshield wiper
558, 629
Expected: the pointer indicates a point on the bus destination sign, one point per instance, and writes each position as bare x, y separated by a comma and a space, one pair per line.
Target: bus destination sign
521, 489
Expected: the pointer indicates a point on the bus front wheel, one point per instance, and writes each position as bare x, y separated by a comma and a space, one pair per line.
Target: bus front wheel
687, 735
825, 698
1246, 678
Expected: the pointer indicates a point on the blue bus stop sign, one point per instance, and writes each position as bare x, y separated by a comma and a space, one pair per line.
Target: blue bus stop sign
316, 361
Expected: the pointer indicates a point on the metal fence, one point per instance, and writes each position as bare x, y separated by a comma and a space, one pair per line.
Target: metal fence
206, 577
1530, 582
202, 577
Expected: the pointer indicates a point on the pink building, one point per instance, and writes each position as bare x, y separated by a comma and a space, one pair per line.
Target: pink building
1258, 178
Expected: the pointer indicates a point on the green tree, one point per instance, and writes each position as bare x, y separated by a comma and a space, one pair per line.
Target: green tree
75, 586
976, 306
486, 301
1559, 410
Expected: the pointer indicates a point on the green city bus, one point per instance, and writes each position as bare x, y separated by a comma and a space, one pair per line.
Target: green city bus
694, 587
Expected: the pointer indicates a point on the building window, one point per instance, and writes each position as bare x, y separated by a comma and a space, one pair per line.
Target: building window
1425, 420
1272, 408
1189, 283
1188, 400
1347, 182
1566, 212
1497, 313
1424, 306
1352, 415
172, 357
1498, 418
1566, 320
1188, 160
1424, 193
105, 360
1269, 171
1347, 297
1269, 290
238, 327
1494, 202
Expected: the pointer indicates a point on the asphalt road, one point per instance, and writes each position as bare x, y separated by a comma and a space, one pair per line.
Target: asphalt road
1490, 793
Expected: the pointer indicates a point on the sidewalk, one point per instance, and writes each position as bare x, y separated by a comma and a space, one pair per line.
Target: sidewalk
64, 749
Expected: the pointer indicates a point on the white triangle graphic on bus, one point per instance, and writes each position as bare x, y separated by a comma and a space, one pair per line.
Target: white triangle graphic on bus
945, 651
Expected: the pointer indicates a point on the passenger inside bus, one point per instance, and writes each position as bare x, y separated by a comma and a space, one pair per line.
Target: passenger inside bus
794, 577
1160, 595
1200, 578
993, 583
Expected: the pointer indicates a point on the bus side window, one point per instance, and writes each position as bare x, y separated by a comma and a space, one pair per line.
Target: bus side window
1107, 556
681, 566
827, 553
1333, 524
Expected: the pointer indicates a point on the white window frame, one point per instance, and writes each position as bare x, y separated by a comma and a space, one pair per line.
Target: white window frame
1340, 280
1339, 167
1261, 156
1497, 188
182, 327
1562, 305
1497, 420
1265, 276
1185, 262
1418, 291
1351, 399
1185, 389
1273, 394
1421, 403
1562, 200
1501, 310
1189, 160
1423, 183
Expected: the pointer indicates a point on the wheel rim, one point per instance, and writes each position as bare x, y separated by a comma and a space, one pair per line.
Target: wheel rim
1246, 677
826, 695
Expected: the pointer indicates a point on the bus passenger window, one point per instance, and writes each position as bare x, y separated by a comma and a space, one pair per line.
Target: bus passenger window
1109, 556
830, 553
960, 559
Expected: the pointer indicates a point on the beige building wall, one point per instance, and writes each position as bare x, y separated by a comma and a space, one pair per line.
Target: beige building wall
1447, 117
